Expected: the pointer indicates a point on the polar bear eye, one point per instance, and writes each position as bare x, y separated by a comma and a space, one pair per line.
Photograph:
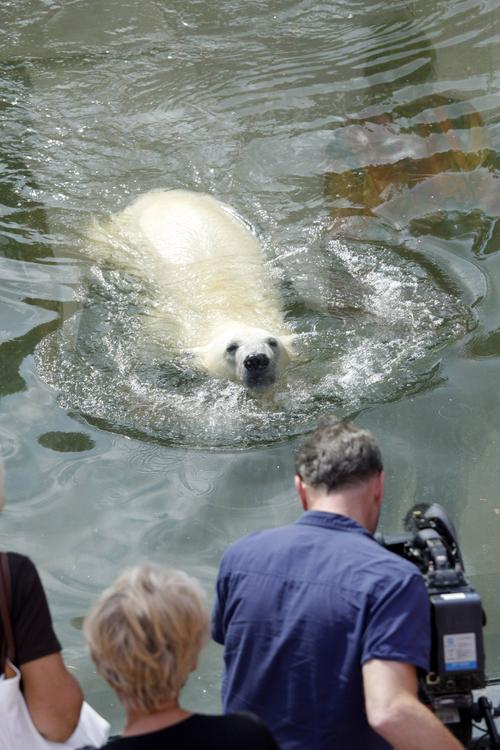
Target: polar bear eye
231, 348
272, 343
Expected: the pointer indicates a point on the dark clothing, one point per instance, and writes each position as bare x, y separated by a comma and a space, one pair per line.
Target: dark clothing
199, 732
30, 616
299, 610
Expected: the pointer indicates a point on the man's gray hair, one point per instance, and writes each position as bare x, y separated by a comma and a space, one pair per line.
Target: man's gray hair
338, 454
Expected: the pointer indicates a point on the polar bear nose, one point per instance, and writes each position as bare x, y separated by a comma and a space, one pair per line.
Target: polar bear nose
255, 362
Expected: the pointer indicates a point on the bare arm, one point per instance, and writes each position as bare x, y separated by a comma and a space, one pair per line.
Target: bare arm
394, 711
53, 696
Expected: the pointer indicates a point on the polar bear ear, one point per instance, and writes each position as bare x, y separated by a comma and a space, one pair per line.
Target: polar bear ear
288, 343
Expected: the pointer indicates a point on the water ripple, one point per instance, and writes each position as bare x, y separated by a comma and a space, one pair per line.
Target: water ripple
361, 140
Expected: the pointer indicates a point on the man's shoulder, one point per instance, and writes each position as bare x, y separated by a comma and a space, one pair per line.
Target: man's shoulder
259, 540
393, 563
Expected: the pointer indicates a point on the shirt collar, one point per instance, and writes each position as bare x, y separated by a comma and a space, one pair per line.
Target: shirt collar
334, 521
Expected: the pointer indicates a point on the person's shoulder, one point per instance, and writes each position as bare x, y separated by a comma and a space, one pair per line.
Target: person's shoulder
392, 570
242, 724
396, 563
246, 719
20, 565
256, 541
255, 730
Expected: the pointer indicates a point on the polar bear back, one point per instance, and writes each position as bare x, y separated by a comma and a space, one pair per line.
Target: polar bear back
207, 265
185, 227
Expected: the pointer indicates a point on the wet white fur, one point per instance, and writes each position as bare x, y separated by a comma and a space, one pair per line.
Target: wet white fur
212, 287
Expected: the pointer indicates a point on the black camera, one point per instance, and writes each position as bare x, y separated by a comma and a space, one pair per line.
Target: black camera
457, 663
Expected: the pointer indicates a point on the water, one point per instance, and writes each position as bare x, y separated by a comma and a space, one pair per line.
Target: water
360, 143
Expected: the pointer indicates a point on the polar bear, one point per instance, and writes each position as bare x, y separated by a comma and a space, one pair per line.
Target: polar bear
213, 296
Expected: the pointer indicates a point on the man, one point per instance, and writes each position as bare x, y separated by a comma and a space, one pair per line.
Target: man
323, 628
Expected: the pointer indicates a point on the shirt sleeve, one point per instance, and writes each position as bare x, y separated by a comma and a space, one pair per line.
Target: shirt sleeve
398, 623
31, 621
218, 609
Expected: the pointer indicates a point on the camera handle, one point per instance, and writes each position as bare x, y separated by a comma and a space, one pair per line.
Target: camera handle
483, 709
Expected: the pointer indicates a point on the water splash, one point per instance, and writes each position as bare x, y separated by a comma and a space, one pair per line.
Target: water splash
365, 334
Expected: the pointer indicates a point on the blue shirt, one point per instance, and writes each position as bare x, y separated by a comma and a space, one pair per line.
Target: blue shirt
299, 610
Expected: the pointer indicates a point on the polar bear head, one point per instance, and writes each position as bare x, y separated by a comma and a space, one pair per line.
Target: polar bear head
251, 356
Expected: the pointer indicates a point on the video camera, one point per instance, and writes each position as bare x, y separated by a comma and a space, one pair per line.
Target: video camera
457, 662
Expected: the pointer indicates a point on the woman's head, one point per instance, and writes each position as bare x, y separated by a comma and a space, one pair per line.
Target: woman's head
145, 633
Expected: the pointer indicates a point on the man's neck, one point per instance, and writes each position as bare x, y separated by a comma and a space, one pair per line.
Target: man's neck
351, 510
356, 502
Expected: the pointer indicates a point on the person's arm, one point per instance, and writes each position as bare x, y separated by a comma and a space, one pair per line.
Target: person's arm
394, 711
53, 696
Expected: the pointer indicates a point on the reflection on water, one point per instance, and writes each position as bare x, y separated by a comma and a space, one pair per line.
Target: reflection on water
66, 441
424, 163
361, 141
429, 148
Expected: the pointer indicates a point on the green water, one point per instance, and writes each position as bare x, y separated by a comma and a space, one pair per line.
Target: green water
361, 142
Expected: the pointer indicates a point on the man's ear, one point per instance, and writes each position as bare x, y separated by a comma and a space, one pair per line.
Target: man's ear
379, 490
301, 491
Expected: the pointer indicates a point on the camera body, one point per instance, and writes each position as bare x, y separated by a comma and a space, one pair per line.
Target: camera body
457, 662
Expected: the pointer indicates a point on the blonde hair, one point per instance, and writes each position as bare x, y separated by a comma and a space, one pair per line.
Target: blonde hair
145, 633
